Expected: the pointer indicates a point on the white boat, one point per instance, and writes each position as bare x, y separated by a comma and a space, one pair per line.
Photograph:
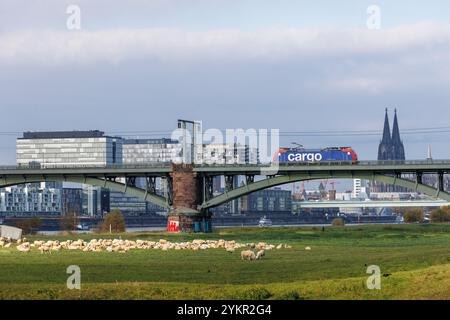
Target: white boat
82, 227
264, 222
399, 219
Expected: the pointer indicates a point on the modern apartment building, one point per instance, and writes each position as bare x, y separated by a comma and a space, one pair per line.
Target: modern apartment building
129, 206
229, 154
95, 201
148, 151
71, 201
29, 200
68, 148
268, 200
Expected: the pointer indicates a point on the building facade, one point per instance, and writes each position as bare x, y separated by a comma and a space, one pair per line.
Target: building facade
96, 201
68, 148
71, 201
30, 200
150, 151
268, 200
221, 153
129, 206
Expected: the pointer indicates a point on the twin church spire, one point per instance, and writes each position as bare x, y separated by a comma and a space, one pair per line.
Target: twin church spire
391, 146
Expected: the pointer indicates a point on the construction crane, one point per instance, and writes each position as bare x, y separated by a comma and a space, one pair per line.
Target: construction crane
331, 182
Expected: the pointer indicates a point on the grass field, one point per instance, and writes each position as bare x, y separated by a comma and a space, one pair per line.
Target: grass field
415, 261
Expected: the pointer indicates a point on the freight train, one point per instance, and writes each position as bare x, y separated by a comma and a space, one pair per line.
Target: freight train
330, 154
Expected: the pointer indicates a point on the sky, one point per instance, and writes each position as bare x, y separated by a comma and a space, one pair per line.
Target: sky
134, 67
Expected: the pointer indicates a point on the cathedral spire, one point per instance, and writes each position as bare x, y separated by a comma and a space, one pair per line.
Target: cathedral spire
386, 130
398, 150
395, 130
385, 147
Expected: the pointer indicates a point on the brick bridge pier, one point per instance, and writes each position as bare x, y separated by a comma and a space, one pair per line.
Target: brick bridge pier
184, 215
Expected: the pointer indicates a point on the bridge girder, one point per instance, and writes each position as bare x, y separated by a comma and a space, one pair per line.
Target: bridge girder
130, 190
289, 178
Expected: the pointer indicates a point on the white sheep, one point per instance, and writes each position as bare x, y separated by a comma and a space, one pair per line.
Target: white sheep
45, 249
24, 247
248, 255
119, 245
260, 254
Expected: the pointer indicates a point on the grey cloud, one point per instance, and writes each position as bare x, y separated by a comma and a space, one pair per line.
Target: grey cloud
295, 80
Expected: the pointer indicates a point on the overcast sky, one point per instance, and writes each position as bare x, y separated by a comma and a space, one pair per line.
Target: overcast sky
291, 65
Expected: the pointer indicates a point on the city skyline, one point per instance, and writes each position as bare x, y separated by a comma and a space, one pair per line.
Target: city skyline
161, 136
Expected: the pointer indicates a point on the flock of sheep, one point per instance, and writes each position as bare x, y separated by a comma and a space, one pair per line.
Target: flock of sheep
119, 245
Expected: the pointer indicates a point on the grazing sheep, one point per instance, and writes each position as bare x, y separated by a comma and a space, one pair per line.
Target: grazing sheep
24, 247
248, 255
120, 245
260, 254
308, 248
45, 249
57, 247
261, 245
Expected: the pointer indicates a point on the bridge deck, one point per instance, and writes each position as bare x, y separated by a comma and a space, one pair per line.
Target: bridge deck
362, 166
237, 169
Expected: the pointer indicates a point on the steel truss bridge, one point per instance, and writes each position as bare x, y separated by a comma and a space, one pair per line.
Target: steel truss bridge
122, 178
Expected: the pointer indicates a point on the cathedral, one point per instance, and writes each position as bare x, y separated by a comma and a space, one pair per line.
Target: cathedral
391, 146
390, 149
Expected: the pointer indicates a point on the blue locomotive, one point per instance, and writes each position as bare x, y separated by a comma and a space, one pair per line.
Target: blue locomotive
330, 154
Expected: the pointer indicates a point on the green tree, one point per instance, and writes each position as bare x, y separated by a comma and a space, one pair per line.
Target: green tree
29, 225
113, 221
413, 215
338, 222
68, 222
440, 215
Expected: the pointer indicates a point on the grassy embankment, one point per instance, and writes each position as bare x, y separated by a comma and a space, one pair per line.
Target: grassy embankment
415, 260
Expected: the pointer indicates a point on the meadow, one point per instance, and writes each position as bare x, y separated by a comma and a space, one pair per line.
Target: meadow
414, 261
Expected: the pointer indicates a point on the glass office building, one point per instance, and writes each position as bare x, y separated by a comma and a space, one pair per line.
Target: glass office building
268, 200
68, 148
145, 151
129, 206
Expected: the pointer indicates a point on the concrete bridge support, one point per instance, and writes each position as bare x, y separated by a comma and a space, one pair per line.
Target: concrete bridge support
184, 214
